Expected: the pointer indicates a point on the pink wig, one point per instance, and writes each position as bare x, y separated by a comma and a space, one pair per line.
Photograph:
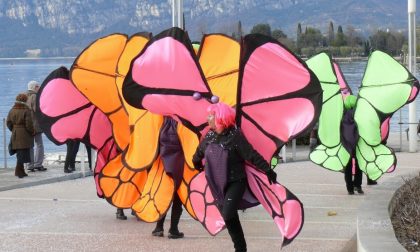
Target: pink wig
224, 115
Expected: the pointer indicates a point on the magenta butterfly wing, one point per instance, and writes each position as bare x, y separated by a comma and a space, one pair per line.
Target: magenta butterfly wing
204, 205
279, 98
166, 77
65, 114
344, 87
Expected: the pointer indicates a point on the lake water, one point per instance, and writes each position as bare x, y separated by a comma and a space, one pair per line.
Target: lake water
16, 73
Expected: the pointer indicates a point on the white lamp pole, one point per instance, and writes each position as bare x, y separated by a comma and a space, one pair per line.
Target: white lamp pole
181, 14
174, 12
177, 13
412, 120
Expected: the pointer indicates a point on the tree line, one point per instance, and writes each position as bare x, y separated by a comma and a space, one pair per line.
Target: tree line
338, 42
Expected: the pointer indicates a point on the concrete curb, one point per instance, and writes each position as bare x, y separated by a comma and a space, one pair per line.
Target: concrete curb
74, 175
374, 228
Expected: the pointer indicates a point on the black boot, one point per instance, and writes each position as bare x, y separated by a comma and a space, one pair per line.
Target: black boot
158, 231
359, 190
175, 216
67, 170
175, 234
236, 233
371, 182
41, 168
350, 189
20, 171
120, 214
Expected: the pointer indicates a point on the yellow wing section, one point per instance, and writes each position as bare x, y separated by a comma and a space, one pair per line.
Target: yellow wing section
134, 46
121, 186
144, 142
94, 72
189, 142
183, 189
157, 194
219, 59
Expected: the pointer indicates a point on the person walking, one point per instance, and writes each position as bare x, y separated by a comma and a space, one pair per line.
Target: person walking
72, 149
225, 150
170, 150
37, 152
19, 122
350, 137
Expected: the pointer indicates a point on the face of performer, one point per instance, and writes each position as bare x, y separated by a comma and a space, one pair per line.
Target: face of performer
211, 121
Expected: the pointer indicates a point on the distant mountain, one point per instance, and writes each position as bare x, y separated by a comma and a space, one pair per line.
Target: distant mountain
65, 27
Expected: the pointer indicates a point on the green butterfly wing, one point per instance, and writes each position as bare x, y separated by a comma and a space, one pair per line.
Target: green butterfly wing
330, 153
386, 87
375, 160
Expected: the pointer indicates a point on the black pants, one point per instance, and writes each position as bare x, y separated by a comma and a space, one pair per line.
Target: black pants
233, 196
175, 215
350, 183
72, 149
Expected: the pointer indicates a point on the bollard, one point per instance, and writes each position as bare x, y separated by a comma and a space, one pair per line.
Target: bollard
283, 153
94, 155
294, 149
82, 160
4, 144
400, 131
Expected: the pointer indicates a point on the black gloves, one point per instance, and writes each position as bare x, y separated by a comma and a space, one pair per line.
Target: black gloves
199, 166
271, 176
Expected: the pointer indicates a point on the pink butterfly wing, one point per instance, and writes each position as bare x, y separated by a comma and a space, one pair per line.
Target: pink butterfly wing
65, 114
279, 99
164, 78
105, 154
204, 205
284, 207
344, 87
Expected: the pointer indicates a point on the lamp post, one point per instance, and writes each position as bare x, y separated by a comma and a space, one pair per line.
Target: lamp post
412, 137
177, 13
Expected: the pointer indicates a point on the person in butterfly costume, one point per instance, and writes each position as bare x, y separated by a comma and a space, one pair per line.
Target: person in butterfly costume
386, 87
135, 177
168, 85
350, 137
170, 149
225, 150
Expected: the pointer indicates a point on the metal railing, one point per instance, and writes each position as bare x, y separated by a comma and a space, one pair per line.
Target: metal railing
283, 151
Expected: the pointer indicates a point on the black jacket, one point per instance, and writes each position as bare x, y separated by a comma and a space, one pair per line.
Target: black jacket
349, 132
239, 151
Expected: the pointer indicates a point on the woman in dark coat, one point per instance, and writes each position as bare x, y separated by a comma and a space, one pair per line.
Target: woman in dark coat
19, 122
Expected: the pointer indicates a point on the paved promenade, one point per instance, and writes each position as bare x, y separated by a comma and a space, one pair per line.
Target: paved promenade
41, 215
